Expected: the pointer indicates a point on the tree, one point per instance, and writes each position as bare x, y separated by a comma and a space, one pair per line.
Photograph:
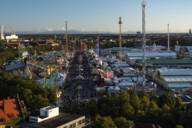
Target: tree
104, 122
179, 126
166, 108
33, 95
141, 108
7, 55
122, 122
128, 109
153, 107
91, 108
135, 102
145, 101
167, 99
179, 104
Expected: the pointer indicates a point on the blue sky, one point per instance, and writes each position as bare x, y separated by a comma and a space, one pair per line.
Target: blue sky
95, 15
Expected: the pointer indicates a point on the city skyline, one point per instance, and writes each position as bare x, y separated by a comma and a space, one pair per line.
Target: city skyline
94, 16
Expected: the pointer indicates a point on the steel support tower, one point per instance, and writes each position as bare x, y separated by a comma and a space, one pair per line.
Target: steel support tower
168, 38
144, 41
66, 35
120, 36
98, 45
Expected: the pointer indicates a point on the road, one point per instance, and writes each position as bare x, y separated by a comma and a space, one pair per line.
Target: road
81, 81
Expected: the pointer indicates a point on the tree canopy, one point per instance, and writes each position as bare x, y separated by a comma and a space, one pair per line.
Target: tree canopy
127, 107
34, 95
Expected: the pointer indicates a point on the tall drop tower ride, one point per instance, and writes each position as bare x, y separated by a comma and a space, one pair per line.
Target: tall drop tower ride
66, 35
168, 38
144, 41
120, 36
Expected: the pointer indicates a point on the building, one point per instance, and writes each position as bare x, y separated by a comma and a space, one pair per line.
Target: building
45, 114
106, 74
138, 55
188, 48
52, 42
116, 50
56, 79
64, 121
12, 37
112, 90
177, 79
9, 111
51, 118
14, 65
155, 47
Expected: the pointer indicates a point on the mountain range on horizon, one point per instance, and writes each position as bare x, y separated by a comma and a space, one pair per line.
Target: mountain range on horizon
85, 32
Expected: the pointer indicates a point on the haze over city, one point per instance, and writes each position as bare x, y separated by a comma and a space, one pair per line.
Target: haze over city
94, 15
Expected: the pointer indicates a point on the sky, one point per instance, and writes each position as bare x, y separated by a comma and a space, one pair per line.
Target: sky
95, 15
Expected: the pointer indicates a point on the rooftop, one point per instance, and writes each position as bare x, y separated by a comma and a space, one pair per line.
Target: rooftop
57, 121
176, 72
8, 110
178, 79
48, 107
179, 85
168, 62
151, 53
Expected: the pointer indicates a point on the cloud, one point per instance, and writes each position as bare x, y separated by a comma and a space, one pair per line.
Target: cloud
49, 29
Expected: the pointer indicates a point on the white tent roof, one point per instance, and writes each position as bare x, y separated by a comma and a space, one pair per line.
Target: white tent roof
175, 72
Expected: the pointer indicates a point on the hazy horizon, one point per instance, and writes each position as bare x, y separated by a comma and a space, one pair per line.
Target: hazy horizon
94, 15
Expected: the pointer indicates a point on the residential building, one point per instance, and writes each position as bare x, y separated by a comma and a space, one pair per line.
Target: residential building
51, 118
9, 111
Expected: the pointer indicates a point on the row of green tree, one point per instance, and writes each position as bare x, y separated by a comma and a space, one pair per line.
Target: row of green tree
165, 110
120, 122
108, 122
134, 42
